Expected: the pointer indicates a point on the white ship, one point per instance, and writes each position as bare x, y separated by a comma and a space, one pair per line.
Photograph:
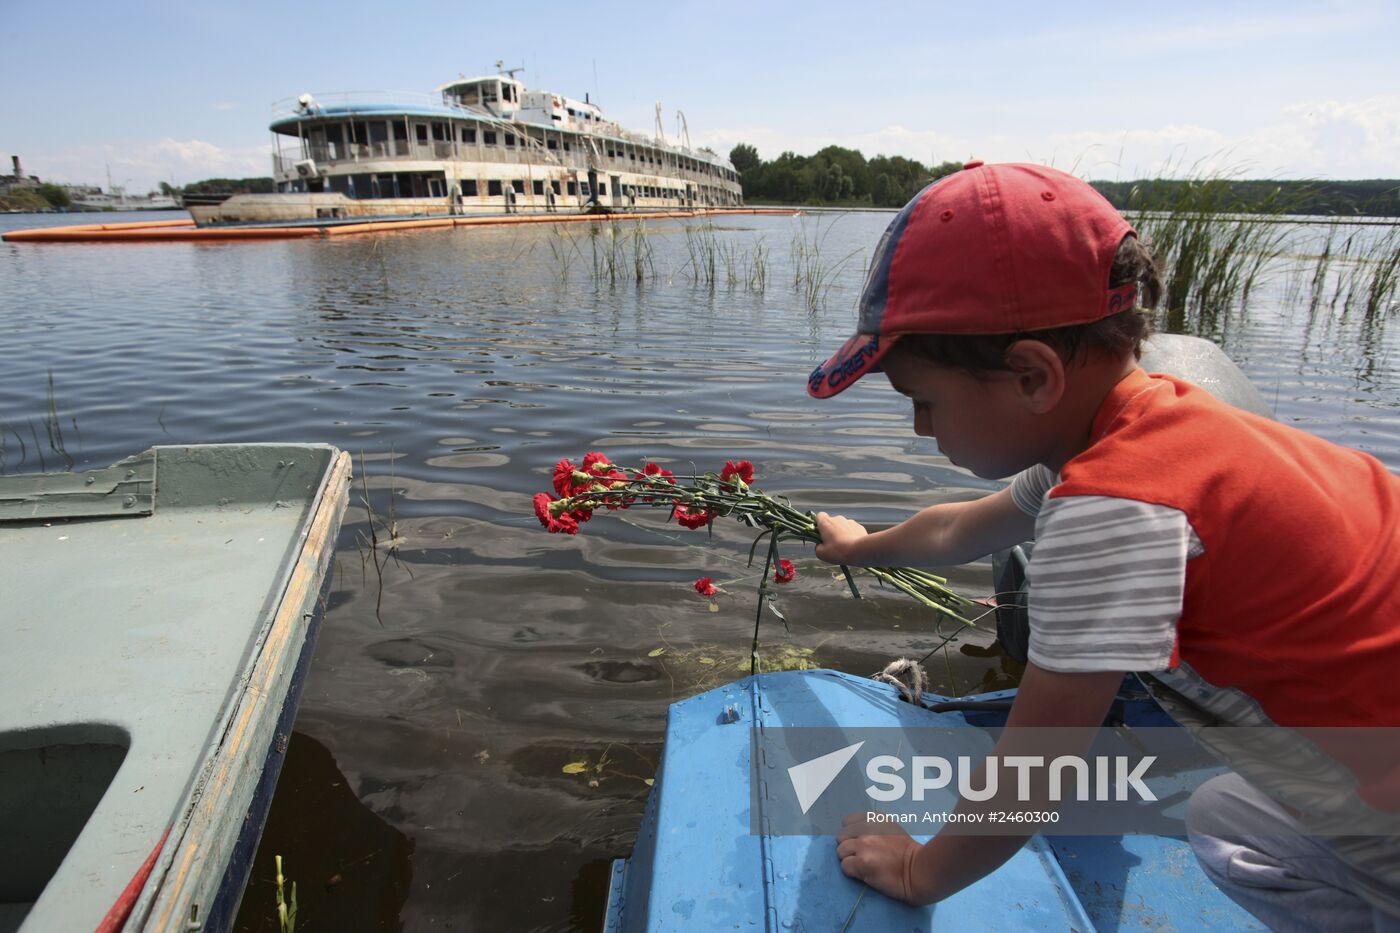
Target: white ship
485, 145
90, 198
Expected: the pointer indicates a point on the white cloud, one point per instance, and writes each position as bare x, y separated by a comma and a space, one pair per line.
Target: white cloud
225, 105
1312, 139
141, 166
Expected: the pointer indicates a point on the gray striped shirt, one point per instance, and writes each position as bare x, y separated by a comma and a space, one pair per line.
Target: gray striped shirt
1106, 578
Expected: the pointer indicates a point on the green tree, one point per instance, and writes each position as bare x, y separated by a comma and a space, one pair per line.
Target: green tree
56, 196
853, 168
745, 159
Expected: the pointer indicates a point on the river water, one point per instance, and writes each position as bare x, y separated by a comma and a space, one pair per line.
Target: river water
459, 676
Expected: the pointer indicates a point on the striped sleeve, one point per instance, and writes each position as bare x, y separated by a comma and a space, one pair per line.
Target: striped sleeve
1029, 487
1106, 583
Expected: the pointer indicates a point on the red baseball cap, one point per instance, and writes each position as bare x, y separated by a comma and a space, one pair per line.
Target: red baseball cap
992, 249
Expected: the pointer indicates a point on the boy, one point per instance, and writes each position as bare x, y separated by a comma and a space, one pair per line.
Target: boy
1249, 567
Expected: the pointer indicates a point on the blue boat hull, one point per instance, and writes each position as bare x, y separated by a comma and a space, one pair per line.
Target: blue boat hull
696, 865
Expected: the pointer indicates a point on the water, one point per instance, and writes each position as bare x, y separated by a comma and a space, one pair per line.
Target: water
426, 784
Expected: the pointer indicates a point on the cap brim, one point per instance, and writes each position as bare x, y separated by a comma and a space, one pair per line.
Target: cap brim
857, 356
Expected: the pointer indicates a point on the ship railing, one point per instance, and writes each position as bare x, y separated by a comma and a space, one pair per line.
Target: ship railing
326, 155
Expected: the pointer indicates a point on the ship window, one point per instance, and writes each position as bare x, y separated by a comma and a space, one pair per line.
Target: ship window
439, 132
421, 132
469, 187
400, 130
602, 187
572, 188
583, 188
436, 188
489, 136
510, 139
539, 188
567, 147
468, 136
378, 132
493, 187
552, 143
518, 184
555, 186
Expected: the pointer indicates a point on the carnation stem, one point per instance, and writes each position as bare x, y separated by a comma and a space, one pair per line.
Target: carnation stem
707, 493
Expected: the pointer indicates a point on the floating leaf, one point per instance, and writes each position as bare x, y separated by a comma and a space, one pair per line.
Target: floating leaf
649, 781
656, 652
706, 660
576, 767
714, 607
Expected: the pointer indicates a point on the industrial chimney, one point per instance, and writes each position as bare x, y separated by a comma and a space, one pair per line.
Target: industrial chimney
15, 160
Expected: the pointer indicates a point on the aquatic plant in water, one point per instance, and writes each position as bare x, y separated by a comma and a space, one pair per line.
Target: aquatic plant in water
695, 501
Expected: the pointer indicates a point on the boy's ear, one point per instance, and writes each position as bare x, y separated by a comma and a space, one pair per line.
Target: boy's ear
1039, 372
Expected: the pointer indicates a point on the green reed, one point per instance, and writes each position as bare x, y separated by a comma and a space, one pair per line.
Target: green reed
564, 249
643, 260
286, 906
1355, 270
813, 273
1211, 255
619, 254
703, 250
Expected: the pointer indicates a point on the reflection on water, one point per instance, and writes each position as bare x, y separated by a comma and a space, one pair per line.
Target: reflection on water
462, 364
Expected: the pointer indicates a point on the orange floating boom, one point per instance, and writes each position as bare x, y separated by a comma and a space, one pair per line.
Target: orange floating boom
185, 230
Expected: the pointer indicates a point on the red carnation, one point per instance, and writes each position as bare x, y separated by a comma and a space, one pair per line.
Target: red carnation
743, 469
594, 457
785, 572
542, 501
564, 477
567, 522
693, 518
654, 469
705, 586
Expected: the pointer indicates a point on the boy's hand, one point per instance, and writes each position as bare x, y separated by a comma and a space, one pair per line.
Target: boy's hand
884, 860
839, 537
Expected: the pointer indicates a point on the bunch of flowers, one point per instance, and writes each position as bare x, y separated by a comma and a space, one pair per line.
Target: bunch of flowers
696, 500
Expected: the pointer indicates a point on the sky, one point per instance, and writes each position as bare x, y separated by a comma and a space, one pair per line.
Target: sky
179, 91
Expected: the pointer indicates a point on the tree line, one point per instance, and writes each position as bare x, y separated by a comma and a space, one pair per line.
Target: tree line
844, 177
264, 185
835, 175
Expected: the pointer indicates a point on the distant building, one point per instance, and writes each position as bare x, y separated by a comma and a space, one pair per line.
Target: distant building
9, 183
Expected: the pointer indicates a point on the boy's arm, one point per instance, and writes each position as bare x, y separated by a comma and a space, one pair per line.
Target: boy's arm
897, 866
938, 536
